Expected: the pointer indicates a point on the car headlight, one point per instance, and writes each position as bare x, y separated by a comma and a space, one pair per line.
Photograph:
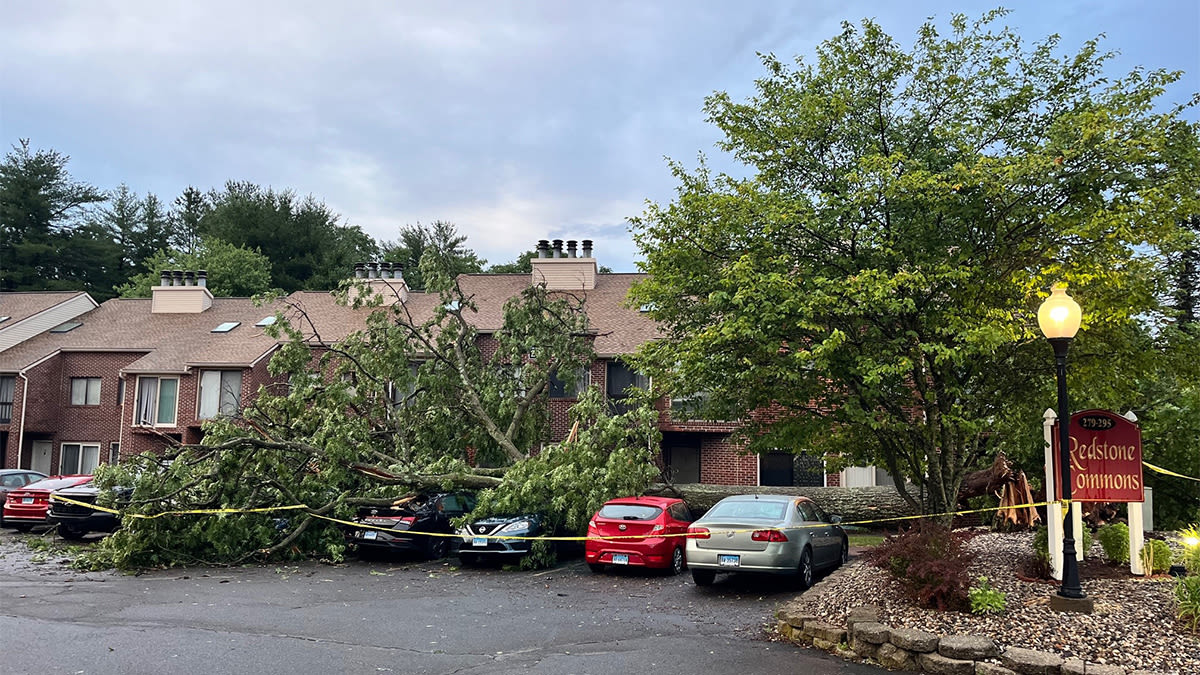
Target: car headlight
518, 526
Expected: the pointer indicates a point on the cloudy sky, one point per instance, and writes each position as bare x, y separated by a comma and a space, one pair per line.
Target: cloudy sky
514, 120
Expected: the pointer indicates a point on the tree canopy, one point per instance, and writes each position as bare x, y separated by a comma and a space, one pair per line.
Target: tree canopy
440, 239
869, 282
232, 271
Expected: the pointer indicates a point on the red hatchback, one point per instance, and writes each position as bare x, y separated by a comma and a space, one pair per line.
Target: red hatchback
25, 507
653, 517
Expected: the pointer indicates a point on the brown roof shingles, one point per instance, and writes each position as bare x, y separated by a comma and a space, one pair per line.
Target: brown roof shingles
175, 342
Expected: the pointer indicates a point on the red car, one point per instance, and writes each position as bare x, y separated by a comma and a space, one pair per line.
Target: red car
25, 507
650, 516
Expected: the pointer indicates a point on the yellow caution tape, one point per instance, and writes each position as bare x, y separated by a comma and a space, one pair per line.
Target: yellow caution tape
1166, 472
467, 535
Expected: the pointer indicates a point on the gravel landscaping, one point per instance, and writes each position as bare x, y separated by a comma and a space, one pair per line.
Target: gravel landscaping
1134, 625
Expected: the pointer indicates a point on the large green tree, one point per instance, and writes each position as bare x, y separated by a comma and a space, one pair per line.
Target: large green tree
308, 246
440, 239
409, 402
869, 279
40, 207
232, 271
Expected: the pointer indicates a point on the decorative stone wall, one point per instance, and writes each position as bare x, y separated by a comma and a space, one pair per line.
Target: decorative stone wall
865, 638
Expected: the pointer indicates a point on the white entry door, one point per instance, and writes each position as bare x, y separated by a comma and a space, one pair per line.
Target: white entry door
39, 456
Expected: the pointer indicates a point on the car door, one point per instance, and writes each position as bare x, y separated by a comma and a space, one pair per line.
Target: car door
818, 534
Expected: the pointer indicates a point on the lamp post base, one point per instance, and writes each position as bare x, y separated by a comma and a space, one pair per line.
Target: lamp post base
1060, 603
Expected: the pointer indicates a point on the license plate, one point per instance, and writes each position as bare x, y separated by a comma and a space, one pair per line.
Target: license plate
370, 534
26, 500
479, 541
728, 560
620, 559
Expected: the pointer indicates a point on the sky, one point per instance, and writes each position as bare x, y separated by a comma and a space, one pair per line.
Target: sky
516, 121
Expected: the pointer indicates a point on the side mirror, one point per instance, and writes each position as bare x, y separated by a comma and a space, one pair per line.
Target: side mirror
835, 519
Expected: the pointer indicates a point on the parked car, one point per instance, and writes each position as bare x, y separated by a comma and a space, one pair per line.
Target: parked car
477, 544
73, 521
11, 479
416, 513
26, 507
771, 534
656, 517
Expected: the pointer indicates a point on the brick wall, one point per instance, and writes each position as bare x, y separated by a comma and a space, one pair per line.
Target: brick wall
49, 415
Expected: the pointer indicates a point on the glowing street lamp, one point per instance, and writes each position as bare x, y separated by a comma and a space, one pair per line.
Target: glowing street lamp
1058, 317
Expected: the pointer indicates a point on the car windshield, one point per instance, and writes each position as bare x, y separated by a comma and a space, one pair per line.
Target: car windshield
54, 483
630, 512
754, 510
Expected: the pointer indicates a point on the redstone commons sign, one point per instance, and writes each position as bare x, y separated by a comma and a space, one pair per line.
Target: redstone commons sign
1106, 458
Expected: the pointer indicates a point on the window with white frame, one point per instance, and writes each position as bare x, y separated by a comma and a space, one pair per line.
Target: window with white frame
156, 401
403, 394
220, 393
85, 391
619, 382
7, 388
114, 452
79, 458
568, 383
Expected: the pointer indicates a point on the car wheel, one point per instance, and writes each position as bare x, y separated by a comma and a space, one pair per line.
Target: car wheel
468, 559
596, 568
704, 577
678, 563
436, 548
805, 572
67, 532
845, 550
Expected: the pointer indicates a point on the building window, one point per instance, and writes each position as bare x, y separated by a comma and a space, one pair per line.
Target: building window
689, 406
120, 392
156, 400
619, 381
570, 384
8, 384
79, 458
85, 391
220, 393
114, 452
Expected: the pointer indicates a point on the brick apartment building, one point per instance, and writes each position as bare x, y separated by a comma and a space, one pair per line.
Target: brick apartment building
118, 379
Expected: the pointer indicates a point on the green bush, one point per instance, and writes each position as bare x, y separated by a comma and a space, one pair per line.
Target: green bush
931, 562
1187, 596
1156, 556
1041, 546
1114, 539
985, 599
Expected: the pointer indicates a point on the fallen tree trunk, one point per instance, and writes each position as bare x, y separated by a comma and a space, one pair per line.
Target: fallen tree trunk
852, 504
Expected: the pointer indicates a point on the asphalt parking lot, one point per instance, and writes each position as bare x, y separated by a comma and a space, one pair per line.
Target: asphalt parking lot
389, 615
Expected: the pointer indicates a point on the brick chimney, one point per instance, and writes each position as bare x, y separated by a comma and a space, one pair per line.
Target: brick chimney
384, 278
180, 292
562, 271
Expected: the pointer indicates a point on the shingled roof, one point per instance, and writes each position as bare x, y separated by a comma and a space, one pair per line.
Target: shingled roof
171, 342
19, 306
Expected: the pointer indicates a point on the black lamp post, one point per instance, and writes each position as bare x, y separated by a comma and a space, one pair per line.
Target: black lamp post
1059, 318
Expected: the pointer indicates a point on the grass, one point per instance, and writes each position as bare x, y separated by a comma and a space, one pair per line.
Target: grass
865, 539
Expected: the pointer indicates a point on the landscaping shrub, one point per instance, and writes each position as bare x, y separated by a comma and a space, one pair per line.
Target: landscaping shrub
1156, 556
1191, 549
985, 599
1041, 550
931, 563
1114, 539
1187, 596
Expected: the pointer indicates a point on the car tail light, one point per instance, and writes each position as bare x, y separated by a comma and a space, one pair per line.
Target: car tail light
698, 533
408, 520
768, 535
592, 524
657, 528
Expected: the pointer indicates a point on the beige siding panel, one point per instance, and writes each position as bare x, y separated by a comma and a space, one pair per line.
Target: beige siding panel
180, 299
45, 320
565, 274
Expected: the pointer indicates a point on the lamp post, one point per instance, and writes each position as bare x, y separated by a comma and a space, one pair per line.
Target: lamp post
1058, 317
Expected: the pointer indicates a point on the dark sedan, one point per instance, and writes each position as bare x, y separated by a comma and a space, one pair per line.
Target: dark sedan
74, 520
399, 526
487, 538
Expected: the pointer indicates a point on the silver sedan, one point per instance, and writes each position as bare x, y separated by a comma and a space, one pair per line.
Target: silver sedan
770, 534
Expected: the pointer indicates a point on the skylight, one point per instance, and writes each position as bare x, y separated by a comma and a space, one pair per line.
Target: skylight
266, 321
66, 327
4, 318
227, 326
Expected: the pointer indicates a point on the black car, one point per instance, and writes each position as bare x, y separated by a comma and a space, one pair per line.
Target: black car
483, 539
73, 521
390, 525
